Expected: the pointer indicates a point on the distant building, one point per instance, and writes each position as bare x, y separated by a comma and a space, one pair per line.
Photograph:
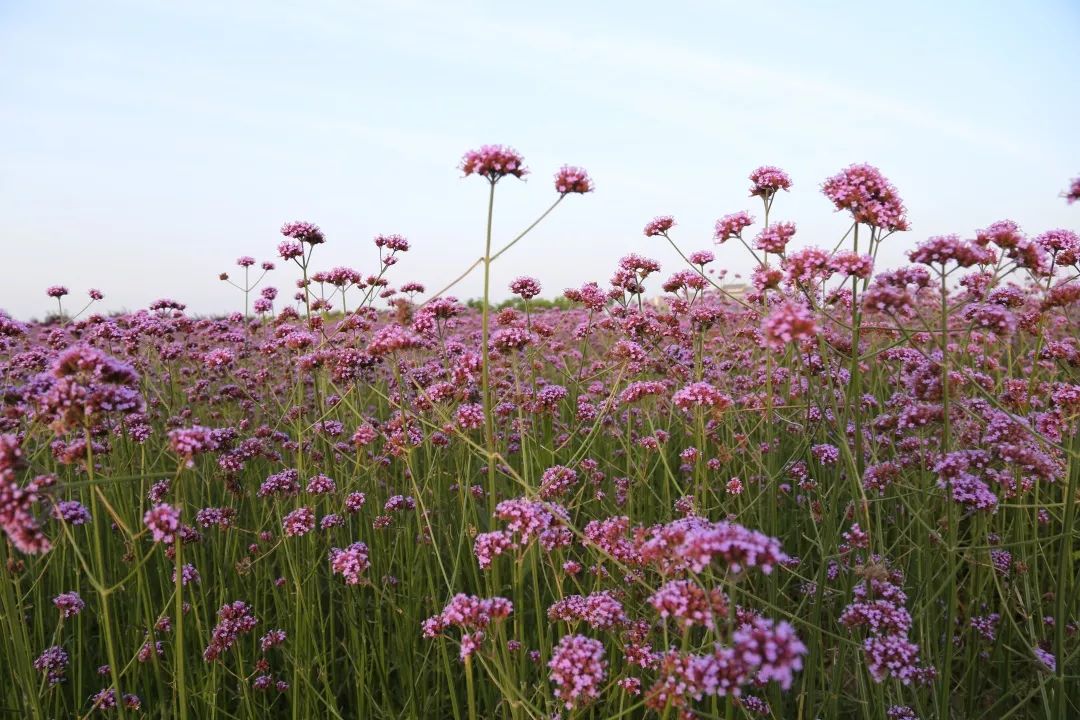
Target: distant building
736, 290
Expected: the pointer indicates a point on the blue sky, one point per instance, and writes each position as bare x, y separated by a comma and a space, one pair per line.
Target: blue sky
148, 144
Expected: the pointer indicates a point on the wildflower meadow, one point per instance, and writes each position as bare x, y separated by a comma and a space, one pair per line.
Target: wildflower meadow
840, 491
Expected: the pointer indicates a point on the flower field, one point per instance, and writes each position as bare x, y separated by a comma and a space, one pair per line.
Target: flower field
843, 491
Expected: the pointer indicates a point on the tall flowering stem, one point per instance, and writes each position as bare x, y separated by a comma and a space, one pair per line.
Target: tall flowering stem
485, 350
494, 162
1066, 566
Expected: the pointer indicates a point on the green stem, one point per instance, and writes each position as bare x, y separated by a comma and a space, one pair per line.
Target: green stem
485, 372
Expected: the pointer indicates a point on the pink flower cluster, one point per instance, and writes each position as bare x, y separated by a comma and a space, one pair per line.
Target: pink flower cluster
788, 323
870, 198
693, 543
731, 226
599, 610
572, 180
689, 604
775, 238
493, 162
768, 180
163, 521
19, 504
878, 606
234, 619
471, 614
761, 651
305, 232
578, 670
659, 226
350, 563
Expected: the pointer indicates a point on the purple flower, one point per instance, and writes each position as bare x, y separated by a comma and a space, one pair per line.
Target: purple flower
775, 238
162, 521
493, 162
298, 522
659, 225
234, 619
72, 512
305, 232
290, 250
350, 562
774, 648
394, 243
1073, 193
557, 481
600, 610
689, 604
320, 485
84, 386
870, 198
572, 180
1046, 659
525, 287
578, 670
731, 226
788, 323
700, 394
487, 546
53, 662
825, 454
767, 180
69, 604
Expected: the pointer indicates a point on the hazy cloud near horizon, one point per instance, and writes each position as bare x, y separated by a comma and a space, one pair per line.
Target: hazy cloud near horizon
148, 145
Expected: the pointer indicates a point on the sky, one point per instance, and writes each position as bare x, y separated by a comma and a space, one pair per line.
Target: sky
145, 145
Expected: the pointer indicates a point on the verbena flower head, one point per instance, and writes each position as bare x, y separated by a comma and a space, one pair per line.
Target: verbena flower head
305, 232
1072, 194
525, 287
290, 250
775, 238
162, 521
234, 619
659, 225
600, 610
578, 670
768, 180
52, 663
19, 504
56, 291
944, 249
69, 604
1061, 244
789, 322
870, 198
494, 162
298, 522
572, 180
773, 648
1005, 234
731, 226
395, 243
84, 386
689, 604
350, 562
